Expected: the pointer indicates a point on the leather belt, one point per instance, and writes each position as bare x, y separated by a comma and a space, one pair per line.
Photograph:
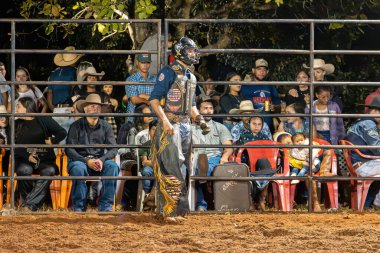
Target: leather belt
62, 105
357, 165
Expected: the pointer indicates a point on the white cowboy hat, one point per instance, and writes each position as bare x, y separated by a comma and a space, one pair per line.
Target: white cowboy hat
245, 106
90, 99
89, 71
63, 60
320, 64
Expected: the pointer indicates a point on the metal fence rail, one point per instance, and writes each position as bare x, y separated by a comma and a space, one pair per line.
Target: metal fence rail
13, 51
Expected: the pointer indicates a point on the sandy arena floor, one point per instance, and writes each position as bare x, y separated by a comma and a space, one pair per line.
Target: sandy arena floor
273, 232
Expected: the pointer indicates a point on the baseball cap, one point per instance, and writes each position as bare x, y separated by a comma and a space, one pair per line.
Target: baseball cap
144, 58
261, 63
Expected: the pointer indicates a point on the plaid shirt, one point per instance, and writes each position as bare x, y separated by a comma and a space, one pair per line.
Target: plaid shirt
135, 90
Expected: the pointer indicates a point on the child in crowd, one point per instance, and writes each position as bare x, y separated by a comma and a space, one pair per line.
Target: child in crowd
112, 106
256, 131
299, 157
332, 129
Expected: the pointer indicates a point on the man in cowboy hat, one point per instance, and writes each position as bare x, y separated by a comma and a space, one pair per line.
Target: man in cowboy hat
138, 94
91, 161
218, 135
322, 69
59, 96
366, 132
261, 94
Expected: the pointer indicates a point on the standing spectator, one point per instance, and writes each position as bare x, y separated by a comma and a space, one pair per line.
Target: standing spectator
218, 135
301, 93
91, 160
332, 129
41, 161
231, 98
4, 88
26, 90
366, 132
259, 94
60, 95
138, 94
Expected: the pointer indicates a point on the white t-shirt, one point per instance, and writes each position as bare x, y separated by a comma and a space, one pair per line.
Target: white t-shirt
322, 123
36, 95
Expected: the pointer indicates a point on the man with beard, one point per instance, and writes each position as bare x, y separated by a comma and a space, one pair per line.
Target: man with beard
171, 145
219, 135
262, 95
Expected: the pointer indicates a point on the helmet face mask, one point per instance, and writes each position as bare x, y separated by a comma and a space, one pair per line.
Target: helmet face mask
182, 51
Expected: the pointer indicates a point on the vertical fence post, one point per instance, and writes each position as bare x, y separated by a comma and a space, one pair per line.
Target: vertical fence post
12, 118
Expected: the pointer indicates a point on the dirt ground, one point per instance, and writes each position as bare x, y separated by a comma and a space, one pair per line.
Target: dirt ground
143, 232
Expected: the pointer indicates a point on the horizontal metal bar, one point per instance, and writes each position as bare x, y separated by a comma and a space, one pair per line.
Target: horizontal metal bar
271, 21
59, 51
195, 178
81, 21
78, 83
286, 146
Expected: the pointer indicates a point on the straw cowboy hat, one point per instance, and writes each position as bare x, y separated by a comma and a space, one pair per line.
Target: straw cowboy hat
320, 64
89, 71
90, 99
245, 106
3, 109
63, 60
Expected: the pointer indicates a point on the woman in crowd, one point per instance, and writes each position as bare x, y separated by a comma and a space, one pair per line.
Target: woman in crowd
294, 125
301, 93
26, 90
111, 107
39, 161
231, 98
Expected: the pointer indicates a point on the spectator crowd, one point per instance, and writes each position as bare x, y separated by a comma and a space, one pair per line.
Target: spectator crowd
249, 106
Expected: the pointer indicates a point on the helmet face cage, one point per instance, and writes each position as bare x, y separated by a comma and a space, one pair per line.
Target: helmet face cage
180, 48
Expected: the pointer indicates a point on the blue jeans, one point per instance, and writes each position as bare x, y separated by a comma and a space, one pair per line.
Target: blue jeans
212, 162
147, 171
79, 190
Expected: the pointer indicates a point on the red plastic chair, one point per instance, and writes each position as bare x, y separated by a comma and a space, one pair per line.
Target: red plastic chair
281, 187
360, 187
332, 187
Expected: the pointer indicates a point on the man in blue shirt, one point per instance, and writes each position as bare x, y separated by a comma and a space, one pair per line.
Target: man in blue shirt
171, 145
259, 94
138, 94
366, 132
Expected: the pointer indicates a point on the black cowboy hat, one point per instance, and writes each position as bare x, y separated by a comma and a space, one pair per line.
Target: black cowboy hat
263, 167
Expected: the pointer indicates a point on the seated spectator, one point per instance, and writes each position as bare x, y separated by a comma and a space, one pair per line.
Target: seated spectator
138, 94
250, 128
332, 129
366, 132
26, 90
283, 138
39, 161
59, 96
294, 125
301, 93
4, 128
111, 107
231, 99
138, 134
299, 157
219, 135
368, 99
88, 74
91, 160
4, 88
144, 153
